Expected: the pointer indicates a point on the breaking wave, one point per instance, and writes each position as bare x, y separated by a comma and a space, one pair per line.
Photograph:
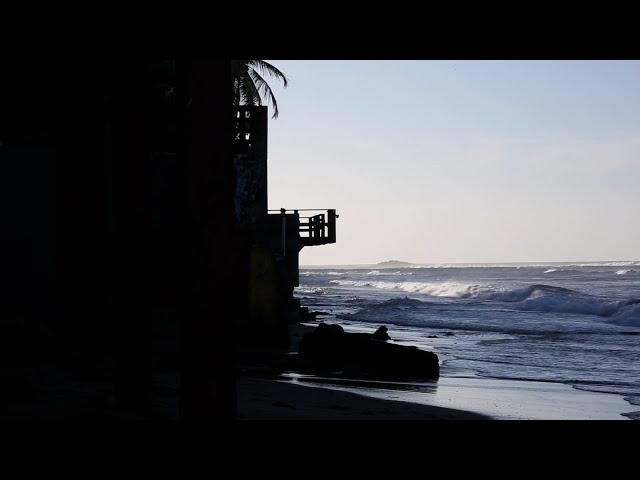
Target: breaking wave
311, 272
311, 290
398, 273
446, 289
624, 272
401, 302
535, 298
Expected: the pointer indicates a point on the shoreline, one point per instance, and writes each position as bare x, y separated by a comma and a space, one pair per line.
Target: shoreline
449, 398
272, 399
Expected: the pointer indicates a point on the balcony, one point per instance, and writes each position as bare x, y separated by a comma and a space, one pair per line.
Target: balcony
313, 229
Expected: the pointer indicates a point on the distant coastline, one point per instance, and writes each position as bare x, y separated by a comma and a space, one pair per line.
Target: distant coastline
400, 264
394, 264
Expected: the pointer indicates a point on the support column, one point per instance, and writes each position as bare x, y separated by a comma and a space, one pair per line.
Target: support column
216, 256
131, 200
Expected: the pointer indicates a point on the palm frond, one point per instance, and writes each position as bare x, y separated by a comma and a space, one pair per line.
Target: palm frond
265, 91
267, 69
250, 88
250, 93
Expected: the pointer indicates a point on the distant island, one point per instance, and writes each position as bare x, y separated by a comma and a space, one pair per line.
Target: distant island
394, 264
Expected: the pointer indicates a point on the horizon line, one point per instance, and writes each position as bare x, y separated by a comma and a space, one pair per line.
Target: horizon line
471, 263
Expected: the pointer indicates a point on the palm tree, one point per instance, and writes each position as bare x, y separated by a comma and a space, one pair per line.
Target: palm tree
249, 86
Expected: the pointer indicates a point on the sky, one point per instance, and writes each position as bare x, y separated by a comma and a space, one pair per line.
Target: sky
461, 161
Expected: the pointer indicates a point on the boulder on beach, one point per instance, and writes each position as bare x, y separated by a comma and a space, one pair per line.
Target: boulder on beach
331, 350
381, 334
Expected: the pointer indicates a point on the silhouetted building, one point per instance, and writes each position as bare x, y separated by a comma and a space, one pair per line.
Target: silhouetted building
277, 236
131, 227
103, 235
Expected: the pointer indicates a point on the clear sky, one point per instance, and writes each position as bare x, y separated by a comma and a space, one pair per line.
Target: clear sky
462, 161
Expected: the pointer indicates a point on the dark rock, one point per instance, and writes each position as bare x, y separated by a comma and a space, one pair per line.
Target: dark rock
322, 349
306, 315
381, 334
330, 350
329, 330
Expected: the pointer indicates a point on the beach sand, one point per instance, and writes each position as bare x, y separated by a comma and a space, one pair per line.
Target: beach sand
265, 393
446, 399
261, 399
302, 397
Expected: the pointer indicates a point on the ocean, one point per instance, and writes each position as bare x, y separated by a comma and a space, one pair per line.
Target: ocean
572, 323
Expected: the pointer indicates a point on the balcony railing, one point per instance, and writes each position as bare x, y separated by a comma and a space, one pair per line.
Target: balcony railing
318, 229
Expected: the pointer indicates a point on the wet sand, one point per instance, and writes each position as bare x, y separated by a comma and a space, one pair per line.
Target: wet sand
302, 397
261, 399
473, 398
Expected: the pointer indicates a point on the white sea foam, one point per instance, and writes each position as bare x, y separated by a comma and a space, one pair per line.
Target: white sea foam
395, 274
546, 298
536, 298
309, 273
354, 283
507, 321
442, 289
448, 289
311, 290
623, 272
